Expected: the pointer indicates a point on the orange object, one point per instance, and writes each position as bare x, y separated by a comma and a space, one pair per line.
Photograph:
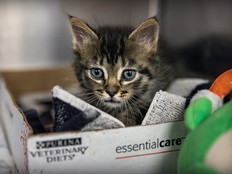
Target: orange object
222, 86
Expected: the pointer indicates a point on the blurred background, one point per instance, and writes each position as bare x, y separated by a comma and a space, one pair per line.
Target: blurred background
35, 34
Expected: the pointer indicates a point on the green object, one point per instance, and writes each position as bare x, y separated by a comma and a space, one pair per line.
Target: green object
206, 128
197, 113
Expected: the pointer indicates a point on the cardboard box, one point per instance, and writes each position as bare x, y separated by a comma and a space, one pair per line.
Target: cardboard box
6, 162
139, 149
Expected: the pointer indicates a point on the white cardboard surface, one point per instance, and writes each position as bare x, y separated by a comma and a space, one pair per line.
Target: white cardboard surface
141, 149
126, 150
6, 162
15, 127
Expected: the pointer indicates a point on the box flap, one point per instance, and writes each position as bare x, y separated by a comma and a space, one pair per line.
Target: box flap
16, 128
19, 82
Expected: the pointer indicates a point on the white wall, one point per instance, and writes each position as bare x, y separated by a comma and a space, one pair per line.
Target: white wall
111, 12
34, 34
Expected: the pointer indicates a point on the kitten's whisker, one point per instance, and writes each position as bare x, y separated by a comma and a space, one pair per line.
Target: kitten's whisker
98, 103
135, 99
136, 106
90, 99
139, 104
84, 94
127, 107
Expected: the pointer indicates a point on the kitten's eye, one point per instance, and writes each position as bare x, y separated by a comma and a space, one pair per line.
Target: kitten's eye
97, 73
129, 74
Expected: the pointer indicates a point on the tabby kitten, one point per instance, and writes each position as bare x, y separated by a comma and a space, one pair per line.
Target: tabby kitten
119, 69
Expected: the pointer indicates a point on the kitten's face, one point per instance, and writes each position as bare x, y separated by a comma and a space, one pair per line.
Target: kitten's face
114, 84
119, 68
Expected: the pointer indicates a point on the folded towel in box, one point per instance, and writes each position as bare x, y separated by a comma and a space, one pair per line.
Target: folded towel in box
72, 113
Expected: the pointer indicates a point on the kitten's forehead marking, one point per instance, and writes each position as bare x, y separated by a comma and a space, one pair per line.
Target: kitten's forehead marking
119, 75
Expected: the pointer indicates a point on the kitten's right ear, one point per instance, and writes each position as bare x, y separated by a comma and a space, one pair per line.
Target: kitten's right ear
146, 34
81, 33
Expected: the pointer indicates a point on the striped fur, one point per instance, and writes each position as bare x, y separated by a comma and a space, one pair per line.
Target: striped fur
116, 51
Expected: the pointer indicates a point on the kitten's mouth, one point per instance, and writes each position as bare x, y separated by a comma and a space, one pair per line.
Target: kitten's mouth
111, 102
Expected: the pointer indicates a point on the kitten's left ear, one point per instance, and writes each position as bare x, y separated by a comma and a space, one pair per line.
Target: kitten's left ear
146, 34
82, 34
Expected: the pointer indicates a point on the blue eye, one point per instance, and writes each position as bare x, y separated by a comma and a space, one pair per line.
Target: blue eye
129, 74
97, 73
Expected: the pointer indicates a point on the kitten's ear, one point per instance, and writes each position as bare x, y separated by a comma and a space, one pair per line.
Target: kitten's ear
146, 34
81, 33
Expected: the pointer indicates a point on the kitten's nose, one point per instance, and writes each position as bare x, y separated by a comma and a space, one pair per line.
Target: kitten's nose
112, 92
112, 87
